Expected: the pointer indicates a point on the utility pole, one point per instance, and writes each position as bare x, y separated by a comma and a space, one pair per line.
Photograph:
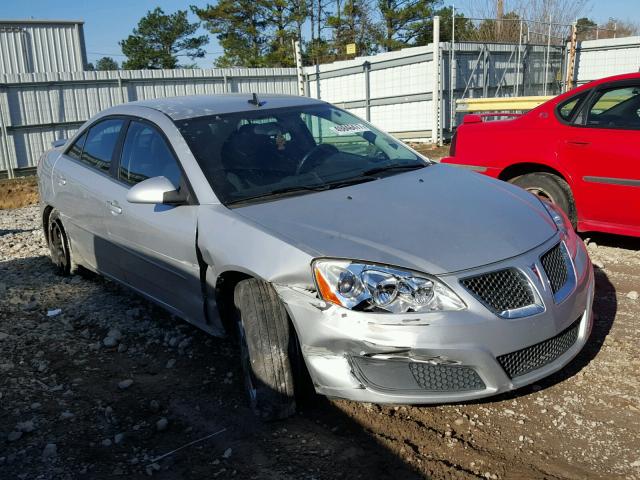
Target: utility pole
571, 63
299, 69
499, 15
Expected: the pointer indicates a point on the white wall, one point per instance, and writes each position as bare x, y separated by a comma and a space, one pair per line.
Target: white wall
602, 58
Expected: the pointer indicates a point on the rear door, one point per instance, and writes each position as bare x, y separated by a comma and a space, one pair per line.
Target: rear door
158, 242
602, 150
82, 183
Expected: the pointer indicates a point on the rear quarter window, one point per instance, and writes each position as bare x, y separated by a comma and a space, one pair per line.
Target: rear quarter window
76, 149
568, 109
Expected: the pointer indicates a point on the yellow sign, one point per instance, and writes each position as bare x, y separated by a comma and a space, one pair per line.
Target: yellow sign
351, 49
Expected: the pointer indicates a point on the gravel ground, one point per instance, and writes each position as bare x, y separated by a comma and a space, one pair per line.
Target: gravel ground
95, 382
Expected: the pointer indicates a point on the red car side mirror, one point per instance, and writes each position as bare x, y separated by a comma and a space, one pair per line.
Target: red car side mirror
472, 118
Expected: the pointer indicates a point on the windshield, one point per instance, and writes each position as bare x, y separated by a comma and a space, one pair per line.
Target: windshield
261, 154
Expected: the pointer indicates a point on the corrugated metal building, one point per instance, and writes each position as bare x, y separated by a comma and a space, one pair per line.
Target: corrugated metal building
38, 46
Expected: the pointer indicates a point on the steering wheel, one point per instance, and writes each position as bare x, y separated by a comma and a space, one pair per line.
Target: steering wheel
313, 157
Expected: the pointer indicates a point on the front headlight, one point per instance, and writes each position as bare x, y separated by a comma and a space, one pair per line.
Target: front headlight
376, 288
563, 223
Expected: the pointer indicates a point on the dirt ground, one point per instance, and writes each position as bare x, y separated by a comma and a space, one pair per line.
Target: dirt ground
106, 385
18, 192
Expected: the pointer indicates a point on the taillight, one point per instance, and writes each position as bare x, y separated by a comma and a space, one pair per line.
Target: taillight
452, 147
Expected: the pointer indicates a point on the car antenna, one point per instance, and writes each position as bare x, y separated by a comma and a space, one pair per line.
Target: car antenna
254, 101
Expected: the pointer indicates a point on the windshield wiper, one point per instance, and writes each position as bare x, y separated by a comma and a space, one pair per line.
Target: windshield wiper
389, 168
282, 191
308, 188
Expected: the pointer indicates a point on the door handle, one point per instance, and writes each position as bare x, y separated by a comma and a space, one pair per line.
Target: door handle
578, 143
114, 207
61, 180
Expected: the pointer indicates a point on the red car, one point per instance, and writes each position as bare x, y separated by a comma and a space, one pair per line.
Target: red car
581, 150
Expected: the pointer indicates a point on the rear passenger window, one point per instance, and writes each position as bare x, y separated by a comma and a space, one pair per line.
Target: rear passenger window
76, 149
100, 143
145, 154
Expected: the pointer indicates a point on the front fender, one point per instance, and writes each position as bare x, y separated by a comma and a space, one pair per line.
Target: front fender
229, 242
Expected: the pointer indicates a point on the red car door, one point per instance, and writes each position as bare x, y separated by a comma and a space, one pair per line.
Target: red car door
601, 150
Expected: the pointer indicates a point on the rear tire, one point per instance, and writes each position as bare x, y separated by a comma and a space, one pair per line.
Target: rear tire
550, 187
268, 359
59, 245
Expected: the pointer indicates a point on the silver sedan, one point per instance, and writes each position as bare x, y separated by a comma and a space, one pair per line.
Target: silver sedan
340, 258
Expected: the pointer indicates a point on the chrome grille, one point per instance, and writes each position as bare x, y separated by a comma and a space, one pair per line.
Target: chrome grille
501, 290
555, 266
536, 356
445, 378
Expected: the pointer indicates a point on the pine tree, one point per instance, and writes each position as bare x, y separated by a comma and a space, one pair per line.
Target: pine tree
159, 39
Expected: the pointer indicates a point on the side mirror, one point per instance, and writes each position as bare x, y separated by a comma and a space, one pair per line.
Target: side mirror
472, 118
155, 190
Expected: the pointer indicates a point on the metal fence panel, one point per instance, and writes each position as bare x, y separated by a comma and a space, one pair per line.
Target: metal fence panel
394, 90
38, 108
601, 58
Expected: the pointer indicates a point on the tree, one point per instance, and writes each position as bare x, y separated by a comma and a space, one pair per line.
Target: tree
286, 18
561, 13
353, 24
465, 29
585, 28
401, 21
506, 29
159, 39
255, 33
618, 28
106, 63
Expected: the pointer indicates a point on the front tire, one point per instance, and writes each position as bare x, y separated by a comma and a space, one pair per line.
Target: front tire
58, 245
266, 339
552, 188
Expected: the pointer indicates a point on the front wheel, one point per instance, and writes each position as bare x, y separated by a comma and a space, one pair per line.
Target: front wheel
267, 348
552, 188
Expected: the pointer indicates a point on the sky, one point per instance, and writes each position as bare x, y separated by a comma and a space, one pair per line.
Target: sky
107, 22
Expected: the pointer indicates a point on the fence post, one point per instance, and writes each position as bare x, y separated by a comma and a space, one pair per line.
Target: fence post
546, 63
452, 72
485, 73
435, 100
4, 132
366, 67
516, 84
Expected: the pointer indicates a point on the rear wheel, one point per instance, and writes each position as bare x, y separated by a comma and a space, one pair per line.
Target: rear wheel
58, 244
268, 349
552, 188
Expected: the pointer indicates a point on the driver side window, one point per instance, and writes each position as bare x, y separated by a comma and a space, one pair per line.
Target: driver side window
145, 154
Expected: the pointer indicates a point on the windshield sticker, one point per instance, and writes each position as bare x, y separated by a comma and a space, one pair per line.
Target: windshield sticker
349, 129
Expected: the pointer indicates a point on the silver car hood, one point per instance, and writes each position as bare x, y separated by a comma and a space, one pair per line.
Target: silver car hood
437, 220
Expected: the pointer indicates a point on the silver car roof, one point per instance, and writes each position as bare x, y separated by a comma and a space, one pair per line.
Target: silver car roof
180, 108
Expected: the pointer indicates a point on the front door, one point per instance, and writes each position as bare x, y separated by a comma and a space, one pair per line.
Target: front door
158, 241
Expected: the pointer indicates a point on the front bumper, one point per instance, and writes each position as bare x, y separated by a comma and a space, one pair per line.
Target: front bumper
395, 358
